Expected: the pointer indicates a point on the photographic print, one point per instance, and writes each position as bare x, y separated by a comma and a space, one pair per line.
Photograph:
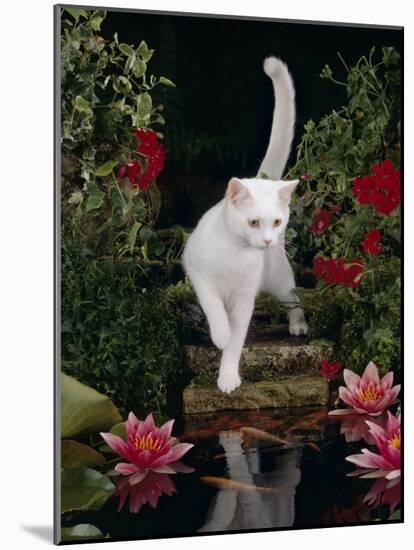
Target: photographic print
228, 289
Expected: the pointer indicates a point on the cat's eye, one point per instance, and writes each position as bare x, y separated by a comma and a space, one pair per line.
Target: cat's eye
254, 223
277, 222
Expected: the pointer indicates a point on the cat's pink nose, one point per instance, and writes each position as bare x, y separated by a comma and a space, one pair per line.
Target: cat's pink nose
267, 242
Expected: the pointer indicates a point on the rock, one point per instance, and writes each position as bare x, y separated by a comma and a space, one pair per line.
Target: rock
267, 360
299, 391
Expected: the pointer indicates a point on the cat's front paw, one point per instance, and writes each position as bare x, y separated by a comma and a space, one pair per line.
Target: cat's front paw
298, 328
228, 381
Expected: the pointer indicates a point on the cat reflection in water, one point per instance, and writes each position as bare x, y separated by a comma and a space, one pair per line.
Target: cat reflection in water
272, 505
237, 249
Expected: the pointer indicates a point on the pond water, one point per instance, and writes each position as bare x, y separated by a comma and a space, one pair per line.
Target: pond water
252, 470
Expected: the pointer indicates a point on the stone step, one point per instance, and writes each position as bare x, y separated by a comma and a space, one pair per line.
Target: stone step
299, 391
262, 360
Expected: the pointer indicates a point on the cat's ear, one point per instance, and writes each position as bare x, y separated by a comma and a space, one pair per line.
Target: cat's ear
237, 192
285, 191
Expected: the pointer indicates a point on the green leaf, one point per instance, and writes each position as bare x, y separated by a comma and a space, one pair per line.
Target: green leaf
95, 201
139, 68
127, 50
95, 22
144, 107
390, 56
132, 236
144, 52
119, 430
395, 516
131, 61
121, 84
84, 489
166, 81
82, 105
75, 454
84, 410
80, 532
76, 13
76, 197
106, 168
146, 233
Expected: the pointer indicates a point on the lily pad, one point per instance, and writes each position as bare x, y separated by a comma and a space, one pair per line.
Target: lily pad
84, 489
84, 410
75, 454
81, 531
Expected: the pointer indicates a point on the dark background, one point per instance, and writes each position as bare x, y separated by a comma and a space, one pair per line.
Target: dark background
218, 117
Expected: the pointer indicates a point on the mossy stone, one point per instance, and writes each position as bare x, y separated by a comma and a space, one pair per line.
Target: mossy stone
300, 391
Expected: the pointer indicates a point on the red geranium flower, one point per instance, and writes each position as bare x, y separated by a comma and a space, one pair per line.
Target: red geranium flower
156, 162
335, 271
370, 243
144, 182
382, 189
319, 266
122, 171
336, 210
354, 273
323, 219
148, 141
339, 271
330, 370
131, 170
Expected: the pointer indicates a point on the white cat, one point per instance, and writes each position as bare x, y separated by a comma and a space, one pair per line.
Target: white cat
237, 249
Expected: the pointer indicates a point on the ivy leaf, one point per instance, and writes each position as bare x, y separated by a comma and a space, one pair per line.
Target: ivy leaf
131, 61
82, 105
144, 52
76, 197
96, 20
76, 13
139, 68
121, 84
95, 201
166, 81
125, 49
106, 168
132, 236
144, 107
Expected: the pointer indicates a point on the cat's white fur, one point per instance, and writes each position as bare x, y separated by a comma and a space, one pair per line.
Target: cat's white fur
228, 261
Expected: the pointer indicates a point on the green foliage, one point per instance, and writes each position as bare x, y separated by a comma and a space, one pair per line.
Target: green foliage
106, 94
362, 330
121, 333
364, 322
75, 455
83, 409
84, 489
81, 532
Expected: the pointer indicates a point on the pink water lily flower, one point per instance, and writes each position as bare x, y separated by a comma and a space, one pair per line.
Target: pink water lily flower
148, 490
147, 448
388, 442
383, 491
354, 427
367, 394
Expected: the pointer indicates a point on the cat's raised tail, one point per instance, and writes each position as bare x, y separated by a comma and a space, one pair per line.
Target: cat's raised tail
283, 123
